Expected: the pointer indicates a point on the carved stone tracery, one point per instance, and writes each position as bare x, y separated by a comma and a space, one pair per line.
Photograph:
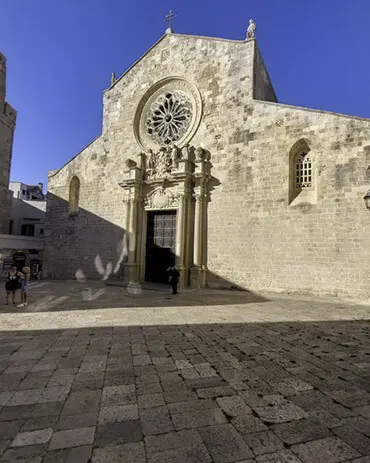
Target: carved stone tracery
169, 117
168, 113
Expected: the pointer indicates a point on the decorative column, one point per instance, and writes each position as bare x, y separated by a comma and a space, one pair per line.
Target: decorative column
179, 230
200, 252
182, 176
132, 247
198, 227
133, 186
201, 177
181, 240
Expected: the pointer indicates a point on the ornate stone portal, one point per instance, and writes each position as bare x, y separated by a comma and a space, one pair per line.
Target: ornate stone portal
169, 179
169, 175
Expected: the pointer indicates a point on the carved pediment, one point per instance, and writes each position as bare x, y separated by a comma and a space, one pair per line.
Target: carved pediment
161, 198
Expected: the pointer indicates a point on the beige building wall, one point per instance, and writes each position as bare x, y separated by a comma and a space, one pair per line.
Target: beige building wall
259, 236
320, 246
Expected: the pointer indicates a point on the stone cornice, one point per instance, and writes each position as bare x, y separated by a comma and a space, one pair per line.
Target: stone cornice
214, 39
301, 108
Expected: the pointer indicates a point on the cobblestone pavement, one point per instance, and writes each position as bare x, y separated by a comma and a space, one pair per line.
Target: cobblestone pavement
205, 377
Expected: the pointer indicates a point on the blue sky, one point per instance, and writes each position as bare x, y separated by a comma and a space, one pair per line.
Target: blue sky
61, 54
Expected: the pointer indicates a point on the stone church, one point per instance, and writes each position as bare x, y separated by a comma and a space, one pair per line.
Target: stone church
199, 162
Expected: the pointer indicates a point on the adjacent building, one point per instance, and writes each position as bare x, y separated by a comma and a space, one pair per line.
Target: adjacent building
28, 210
25, 242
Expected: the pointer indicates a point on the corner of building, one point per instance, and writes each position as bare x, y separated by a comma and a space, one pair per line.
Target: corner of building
262, 86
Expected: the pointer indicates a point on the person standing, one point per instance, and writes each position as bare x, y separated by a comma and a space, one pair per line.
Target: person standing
12, 284
25, 278
173, 277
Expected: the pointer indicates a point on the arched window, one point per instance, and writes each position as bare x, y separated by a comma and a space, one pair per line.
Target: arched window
302, 186
74, 195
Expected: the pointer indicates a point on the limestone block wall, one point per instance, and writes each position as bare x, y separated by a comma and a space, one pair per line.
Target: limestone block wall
75, 241
5, 209
6, 141
2, 82
262, 241
7, 125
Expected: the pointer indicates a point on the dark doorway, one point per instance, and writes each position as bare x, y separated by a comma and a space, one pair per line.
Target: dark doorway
160, 245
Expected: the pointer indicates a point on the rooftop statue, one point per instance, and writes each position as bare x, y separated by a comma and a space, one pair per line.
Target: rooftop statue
251, 29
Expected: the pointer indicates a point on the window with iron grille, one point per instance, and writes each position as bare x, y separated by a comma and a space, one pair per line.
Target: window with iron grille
303, 171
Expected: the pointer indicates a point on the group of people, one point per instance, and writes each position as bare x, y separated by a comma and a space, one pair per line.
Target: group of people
16, 280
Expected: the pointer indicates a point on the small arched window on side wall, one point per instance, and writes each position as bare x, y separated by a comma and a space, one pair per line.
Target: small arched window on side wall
302, 179
74, 195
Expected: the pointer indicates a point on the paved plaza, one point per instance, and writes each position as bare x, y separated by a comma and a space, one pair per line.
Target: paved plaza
103, 374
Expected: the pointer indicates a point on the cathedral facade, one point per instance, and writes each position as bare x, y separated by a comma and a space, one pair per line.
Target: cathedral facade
199, 163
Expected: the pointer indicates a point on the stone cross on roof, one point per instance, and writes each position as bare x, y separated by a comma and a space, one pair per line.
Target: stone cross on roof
169, 19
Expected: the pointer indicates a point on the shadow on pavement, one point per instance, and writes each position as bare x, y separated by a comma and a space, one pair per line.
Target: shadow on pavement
72, 295
226, 392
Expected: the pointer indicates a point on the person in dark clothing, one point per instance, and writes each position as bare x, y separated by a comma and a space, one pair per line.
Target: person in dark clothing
173, 278
12, 283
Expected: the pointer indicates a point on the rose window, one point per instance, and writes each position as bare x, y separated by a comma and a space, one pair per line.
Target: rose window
169, 117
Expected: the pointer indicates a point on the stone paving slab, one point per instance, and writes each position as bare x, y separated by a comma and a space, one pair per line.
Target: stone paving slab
41, 436
328, 450
224, 443
129, 453
271, 380
72, 438
190, 454
80, 454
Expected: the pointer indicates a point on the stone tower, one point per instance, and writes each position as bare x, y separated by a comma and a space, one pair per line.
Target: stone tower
7, 125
